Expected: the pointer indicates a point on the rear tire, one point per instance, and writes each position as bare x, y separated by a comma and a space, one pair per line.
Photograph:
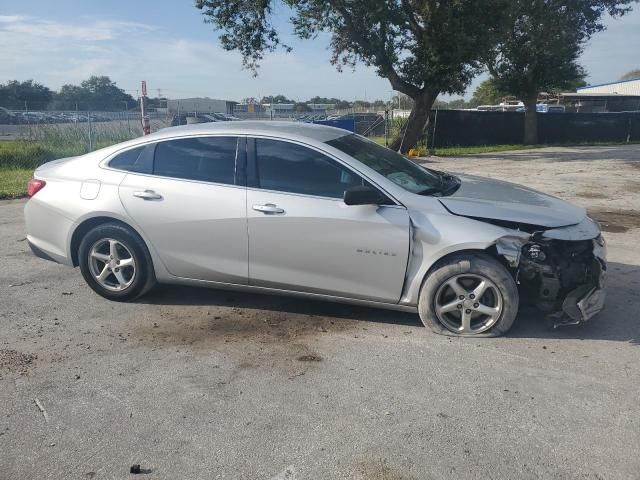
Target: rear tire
469, 295
115, 262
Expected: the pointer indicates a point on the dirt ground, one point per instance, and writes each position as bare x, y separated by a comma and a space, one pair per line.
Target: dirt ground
193, 383
605, 180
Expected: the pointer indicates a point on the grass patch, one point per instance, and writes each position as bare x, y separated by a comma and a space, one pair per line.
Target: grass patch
50, 142
457, 151
27, 154
475, 150
32, 154
13, 182
22, 154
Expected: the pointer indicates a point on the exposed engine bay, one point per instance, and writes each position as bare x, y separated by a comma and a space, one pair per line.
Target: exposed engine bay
559, 271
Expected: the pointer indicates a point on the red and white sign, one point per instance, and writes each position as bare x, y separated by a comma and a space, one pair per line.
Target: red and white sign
146, 125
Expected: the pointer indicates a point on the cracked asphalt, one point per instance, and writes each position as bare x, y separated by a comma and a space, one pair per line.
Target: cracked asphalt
200, 384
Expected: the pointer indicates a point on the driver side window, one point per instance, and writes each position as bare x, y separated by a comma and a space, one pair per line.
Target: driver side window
288, 167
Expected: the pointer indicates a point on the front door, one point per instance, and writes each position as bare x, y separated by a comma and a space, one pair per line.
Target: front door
191, 209
303, 237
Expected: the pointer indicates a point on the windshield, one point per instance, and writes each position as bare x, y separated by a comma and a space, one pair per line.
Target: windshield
392, 165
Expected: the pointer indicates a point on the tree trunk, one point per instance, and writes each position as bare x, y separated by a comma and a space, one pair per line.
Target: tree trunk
414, 129
531, 120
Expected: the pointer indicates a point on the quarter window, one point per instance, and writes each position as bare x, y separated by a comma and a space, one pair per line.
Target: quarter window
209, 159
287, 167
139, 159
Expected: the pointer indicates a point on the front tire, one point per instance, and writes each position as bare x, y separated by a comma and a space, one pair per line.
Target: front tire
469, 295
115, 262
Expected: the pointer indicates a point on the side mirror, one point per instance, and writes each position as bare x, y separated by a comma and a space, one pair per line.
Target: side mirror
364, 196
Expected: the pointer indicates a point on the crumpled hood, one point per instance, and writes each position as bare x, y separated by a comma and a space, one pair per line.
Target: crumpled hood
494, 199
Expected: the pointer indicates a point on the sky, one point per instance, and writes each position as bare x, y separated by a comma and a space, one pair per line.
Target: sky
167, 43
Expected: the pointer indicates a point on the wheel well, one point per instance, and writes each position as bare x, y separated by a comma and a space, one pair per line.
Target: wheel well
85, 227
492, 251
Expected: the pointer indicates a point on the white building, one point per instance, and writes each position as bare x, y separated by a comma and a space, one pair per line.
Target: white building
280, 109
627, 87
200, 105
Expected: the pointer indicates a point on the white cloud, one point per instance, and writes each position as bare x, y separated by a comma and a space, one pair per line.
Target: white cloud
57, 53
11, 18
44, 29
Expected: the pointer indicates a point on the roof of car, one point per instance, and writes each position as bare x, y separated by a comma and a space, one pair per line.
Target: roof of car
285, 129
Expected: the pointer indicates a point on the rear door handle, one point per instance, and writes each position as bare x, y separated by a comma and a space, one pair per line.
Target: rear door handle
148, 195
268, 208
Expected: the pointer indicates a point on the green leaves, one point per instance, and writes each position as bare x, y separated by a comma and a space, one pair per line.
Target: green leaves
416, 44
543, 42
245, 26
631, 75
95, 93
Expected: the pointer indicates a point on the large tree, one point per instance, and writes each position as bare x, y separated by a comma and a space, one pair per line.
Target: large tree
104, 94
487, 93
423, 47
18, 95
276, 99
542, 45
95, 93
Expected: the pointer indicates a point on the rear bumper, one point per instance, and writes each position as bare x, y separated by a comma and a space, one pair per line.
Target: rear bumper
47, 231
41, 253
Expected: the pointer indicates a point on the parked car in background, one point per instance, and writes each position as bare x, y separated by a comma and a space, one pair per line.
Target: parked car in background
181, 119
319, 212
550, 108
7, 117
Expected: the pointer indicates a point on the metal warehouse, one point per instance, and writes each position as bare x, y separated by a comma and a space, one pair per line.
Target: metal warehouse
200, 105
628, 87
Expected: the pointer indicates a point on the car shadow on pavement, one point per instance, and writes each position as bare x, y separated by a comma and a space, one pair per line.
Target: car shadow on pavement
619, 321
176, 295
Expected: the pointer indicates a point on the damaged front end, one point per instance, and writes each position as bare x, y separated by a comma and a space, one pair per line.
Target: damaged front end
560, 271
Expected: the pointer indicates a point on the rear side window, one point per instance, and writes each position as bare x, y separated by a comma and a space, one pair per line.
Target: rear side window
209, 159
139, 159
287, 167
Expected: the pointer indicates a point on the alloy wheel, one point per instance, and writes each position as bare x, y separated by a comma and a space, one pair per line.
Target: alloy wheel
112, 264
468, 304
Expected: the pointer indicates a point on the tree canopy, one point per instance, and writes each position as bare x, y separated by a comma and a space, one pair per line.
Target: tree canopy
487, 93
276, 99
95, 93
540, 49
422, 47
631, 75
18, 95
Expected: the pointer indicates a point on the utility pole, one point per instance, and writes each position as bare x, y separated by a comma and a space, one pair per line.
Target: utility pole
126, 112
146, 127
387, 126
90, 131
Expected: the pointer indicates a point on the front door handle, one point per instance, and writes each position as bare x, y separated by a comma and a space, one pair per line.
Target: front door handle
268, 208
148, 195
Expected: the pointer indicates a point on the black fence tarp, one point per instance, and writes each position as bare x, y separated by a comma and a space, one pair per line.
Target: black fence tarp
468, 128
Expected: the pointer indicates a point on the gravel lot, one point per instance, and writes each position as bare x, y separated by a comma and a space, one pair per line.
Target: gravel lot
196, 384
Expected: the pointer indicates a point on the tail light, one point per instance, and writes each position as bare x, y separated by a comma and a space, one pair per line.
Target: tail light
34, 186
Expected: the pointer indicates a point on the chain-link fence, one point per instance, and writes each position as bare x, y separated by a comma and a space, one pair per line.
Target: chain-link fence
86, 130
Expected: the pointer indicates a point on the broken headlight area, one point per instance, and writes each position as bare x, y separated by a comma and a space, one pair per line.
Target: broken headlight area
563, 278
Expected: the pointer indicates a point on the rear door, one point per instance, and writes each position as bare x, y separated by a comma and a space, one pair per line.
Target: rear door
185, 197
303, 237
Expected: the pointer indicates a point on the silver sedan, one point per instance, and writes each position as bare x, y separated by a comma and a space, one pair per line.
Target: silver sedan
314, 211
